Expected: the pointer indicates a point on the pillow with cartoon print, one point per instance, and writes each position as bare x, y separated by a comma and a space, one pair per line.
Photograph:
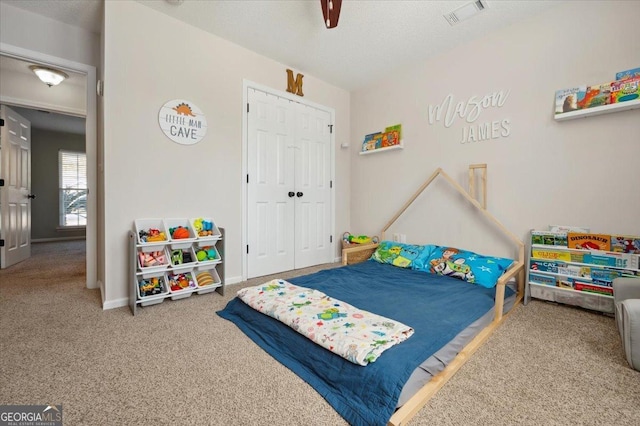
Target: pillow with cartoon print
399, 254
463, 264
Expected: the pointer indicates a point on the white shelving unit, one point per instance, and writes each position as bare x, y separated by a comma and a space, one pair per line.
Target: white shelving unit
560, 284
175, 263
604, 109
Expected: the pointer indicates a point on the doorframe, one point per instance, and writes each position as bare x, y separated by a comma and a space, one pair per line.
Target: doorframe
91, 142
246, 85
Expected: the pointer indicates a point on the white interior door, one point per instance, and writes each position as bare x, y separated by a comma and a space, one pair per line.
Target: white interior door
270, 208
288, 186
15, 170
313, 193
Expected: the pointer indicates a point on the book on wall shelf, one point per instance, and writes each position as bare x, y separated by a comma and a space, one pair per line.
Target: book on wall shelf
580, 269
594, 99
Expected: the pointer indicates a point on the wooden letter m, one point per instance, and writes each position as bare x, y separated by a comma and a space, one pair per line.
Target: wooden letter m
294, 87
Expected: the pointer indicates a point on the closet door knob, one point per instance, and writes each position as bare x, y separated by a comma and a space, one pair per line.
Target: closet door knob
291, 194
299, 194
32, 196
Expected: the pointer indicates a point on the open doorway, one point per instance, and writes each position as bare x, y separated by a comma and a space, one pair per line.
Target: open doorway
69, 114
58, 176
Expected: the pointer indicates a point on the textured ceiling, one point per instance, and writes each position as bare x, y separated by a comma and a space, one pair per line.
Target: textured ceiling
373, 37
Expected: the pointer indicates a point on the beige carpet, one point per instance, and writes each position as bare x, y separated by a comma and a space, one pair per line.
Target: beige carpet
179, 363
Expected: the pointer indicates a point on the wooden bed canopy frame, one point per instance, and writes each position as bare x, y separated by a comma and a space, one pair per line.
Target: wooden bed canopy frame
516, 271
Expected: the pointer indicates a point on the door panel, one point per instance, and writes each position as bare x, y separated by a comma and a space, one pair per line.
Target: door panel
15, 207
312, 180
270, 210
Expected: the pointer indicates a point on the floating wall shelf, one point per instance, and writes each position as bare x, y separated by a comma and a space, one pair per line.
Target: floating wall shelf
605, 109
386, 148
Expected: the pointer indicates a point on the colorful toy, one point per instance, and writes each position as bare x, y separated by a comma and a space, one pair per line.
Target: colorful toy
206, 253
204, 278
179, 233
203, 228
179, 282
151, 286
152, 235
360, 239
180, 256
152, 258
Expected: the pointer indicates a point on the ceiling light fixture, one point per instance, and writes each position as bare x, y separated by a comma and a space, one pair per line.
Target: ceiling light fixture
49, 76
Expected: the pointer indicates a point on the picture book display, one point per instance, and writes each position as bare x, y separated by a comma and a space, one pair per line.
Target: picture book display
626, 87
572, 258
390, 137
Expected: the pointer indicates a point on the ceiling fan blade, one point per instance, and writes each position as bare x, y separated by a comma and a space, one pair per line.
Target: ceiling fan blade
331, 12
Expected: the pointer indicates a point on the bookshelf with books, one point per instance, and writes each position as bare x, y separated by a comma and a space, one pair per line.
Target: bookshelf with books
574, 266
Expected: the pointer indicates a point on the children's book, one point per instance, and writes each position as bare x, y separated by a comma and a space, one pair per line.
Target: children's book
568, 100
564, 228
549, 238
396, 128
585, 241
596, 95
625, 244
625, 90
624, 75
369, 143
590, 288
542, 279
551, 254
545, 266
616, 260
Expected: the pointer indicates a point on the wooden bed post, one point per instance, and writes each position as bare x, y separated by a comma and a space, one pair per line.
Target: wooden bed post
483, 181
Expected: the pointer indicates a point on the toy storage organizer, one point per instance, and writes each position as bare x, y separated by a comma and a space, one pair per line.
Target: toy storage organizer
193, 263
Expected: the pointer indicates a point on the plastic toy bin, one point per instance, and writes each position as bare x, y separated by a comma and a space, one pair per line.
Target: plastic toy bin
208, 279
175, 223
151, 225
201, 225
152, 258
210, 255
152, 288
177, 291
182, 256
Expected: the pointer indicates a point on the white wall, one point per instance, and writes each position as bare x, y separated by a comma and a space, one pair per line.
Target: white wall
581, 172
25, 88
151, 58
31, 31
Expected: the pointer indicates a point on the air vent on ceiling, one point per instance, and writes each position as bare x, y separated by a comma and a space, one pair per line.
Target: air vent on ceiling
466, 11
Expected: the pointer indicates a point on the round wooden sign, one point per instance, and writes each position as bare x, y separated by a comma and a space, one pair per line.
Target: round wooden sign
182, 122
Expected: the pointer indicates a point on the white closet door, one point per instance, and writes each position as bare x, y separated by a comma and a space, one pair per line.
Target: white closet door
313, 192
270, 209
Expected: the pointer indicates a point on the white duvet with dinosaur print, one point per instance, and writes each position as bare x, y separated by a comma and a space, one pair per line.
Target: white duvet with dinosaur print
356, 335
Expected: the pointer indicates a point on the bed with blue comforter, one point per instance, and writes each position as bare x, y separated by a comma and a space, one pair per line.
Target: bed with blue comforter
437, 307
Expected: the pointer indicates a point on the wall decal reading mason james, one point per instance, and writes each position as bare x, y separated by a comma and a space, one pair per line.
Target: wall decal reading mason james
182, 122
470, 111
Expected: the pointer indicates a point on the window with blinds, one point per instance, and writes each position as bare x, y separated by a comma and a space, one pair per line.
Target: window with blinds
72, 167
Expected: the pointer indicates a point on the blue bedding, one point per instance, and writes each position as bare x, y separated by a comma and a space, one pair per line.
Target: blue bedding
437, 307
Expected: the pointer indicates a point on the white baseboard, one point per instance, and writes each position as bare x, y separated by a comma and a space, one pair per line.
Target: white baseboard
112, 304
233, 280
49, 240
